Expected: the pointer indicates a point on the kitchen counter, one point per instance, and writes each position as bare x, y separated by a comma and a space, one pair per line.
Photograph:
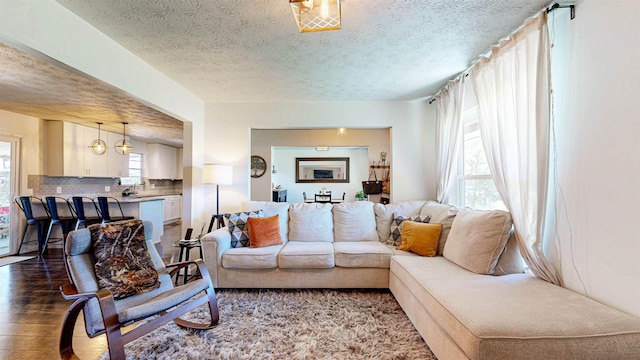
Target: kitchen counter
138, 198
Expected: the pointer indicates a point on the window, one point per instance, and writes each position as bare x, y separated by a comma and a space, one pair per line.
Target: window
476, 187
135, 170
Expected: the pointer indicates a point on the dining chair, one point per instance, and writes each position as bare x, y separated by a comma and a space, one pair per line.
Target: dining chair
25, 204
103, 205
81, 214
338, 200
307, 200
63, 221
322, 198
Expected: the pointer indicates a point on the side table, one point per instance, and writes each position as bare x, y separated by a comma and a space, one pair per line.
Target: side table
185, 250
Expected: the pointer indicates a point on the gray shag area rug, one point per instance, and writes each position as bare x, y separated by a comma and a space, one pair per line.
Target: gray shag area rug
291, 324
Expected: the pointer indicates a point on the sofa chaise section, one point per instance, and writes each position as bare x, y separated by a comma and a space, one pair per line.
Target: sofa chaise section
464, 315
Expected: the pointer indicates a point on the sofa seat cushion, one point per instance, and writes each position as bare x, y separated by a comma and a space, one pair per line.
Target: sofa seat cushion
516, 316
251, 258
306, 255
372, 254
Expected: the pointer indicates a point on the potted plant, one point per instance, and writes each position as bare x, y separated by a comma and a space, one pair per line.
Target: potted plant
360, 196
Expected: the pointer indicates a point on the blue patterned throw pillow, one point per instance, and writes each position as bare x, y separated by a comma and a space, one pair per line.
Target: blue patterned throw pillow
395, 237
238, 227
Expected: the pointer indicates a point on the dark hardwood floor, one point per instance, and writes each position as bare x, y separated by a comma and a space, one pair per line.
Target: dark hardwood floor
33, 309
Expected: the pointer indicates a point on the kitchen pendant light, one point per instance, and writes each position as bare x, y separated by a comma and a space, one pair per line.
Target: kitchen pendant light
98, 146
124, 146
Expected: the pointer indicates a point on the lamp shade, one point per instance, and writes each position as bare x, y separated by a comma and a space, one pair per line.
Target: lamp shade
217, 174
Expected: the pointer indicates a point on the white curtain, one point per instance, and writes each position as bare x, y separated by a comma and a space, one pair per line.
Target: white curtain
448, 135
512, 86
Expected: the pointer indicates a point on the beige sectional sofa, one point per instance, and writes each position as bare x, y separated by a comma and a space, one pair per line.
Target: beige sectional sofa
471, 301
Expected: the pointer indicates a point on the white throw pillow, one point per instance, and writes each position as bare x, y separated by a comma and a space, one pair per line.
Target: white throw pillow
477, 239
354, 221
269, 209
310, 222
440, 214
384, 215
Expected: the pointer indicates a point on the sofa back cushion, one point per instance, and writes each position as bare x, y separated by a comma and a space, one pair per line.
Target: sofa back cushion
384, 215
477, 239
271, 209
354, 221
310, 222
440, 214
510, 261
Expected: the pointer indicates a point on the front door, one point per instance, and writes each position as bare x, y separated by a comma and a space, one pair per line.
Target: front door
8, 185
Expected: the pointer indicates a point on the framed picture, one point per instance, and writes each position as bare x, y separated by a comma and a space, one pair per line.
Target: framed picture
258, 166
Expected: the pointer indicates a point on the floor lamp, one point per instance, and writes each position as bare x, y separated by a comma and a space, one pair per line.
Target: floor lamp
218, 175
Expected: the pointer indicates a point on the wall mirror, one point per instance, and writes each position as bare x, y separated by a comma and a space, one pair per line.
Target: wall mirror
322, 170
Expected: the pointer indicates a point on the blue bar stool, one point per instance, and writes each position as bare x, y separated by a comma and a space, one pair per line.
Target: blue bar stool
63, 221
25, 204
83, 219
103, 204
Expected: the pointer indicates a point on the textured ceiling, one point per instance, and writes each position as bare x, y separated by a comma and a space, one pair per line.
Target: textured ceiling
240, 50
32, 86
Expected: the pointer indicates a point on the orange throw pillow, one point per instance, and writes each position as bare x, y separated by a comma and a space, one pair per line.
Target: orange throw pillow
264, 231
421, 238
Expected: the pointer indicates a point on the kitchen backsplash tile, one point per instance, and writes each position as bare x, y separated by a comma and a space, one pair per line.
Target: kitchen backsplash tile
92, 187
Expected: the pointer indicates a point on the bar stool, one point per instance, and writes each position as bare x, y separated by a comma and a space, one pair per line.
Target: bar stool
24, 203
63, 221
83, 219
103, 204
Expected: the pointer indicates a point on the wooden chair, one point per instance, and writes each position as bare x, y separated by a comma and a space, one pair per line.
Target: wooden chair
105, 315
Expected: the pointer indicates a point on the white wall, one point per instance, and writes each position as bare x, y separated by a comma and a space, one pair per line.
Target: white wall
228, 140
26, 128
596, 75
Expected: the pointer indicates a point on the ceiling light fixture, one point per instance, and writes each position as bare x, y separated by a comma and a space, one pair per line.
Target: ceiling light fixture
342, 131
322, 148
316, 15
98, 146
124, 146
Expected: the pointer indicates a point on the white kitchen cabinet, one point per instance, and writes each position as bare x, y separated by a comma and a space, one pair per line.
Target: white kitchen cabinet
179, 165
172, 208
118, 165
67, 152
161, 161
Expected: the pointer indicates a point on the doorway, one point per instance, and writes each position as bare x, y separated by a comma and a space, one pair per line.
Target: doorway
9, 146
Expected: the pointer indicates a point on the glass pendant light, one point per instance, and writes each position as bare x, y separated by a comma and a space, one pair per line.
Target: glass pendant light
98, 146
124, 146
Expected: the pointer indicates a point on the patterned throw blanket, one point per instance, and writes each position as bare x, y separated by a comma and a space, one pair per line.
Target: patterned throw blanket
123, 263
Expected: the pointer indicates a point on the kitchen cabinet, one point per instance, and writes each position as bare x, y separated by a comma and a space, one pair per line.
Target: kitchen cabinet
179, 165
118, 165
67, 152
161, 161
172, 208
